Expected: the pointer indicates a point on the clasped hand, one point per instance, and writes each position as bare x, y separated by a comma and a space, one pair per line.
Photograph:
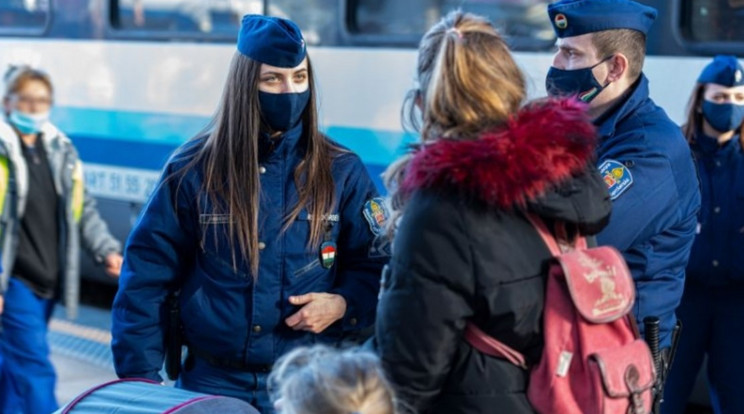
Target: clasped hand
318, 312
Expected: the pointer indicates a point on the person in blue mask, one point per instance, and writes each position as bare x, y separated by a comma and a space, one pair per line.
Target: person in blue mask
713, 302
642, 155
267, 228
47, 214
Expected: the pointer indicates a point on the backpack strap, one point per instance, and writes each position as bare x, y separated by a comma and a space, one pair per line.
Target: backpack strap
491, 346
556, 248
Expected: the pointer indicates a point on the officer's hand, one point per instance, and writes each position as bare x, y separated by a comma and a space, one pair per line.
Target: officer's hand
319, 312
113, 263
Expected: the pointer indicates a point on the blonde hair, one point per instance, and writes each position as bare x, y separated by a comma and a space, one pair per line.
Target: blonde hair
17, 76
323, 380
469, 84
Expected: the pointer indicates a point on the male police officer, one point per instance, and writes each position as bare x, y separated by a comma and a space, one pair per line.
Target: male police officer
642, 155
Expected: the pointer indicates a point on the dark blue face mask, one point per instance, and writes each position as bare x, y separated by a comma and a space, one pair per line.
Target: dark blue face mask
723, 117
578, 82
282, 111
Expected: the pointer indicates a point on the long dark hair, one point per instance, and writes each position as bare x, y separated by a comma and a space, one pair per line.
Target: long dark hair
694, 121
230, 164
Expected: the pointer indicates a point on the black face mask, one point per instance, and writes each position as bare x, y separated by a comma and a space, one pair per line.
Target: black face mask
282, 111
580, 83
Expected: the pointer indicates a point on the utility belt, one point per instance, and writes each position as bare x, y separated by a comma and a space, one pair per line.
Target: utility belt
226, 363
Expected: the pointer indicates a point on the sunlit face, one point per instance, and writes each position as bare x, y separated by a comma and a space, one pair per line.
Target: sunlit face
575, 52
721, 94
284, 80
32, 98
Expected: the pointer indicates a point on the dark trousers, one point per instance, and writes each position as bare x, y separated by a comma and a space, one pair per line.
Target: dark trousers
200, 376
27, 377
713, 324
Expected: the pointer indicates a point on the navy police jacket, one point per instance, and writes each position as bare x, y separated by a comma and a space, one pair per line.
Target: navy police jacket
649, 170
228, 313
717, 258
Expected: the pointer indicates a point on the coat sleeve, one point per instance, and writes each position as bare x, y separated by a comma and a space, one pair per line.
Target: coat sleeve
648, 225
94, 232
427, 301
362, 251
156, 256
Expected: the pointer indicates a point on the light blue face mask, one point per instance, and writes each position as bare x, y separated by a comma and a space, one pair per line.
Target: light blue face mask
28, 123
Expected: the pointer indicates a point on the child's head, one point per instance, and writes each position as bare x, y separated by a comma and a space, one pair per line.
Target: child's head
323, 380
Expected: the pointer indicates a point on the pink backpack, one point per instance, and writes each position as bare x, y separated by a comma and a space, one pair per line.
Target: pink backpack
593, 361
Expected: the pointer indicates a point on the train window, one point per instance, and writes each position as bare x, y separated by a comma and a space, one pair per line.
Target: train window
523, 22
199, 17
316, 18
29, 16
707, 21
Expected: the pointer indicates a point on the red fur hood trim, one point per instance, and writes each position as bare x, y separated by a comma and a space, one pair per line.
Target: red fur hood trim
541, 146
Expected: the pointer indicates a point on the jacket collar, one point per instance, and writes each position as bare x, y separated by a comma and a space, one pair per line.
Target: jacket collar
607, 123
541, 146
50, 135
270, 147
708, 147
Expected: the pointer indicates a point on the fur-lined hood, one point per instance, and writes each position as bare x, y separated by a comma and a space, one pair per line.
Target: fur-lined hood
543, 145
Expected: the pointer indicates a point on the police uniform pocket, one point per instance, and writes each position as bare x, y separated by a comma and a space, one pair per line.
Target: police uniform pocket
221, 272
307, 268
215, 238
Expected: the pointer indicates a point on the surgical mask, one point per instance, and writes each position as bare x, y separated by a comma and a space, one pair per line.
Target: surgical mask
723, 117
578, 82
28, 123
282, 111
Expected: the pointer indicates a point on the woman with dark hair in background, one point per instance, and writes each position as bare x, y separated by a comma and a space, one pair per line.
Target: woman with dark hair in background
266, 227
713, 302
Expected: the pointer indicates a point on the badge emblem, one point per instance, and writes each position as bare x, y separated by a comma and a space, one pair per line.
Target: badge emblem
560, 21
617, 177
737, 76
376, 215
328, 254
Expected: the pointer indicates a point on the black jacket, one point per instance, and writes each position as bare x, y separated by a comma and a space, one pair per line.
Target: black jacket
464, 251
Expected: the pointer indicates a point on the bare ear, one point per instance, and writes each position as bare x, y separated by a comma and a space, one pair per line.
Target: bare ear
618, 67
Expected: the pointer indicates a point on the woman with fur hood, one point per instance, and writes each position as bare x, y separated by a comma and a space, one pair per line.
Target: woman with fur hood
464, 249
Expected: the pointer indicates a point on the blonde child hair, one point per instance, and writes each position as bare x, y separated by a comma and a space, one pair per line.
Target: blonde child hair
323, 380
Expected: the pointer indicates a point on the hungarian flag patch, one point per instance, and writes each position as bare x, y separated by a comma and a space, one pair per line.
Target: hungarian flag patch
327, 254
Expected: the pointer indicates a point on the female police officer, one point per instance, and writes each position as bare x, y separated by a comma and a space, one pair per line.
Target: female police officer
265, 226
712, 303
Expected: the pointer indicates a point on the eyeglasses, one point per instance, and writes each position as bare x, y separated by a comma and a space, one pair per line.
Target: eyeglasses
31, 101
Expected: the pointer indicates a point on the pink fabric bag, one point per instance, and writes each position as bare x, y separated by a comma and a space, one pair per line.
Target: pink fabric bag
593, 361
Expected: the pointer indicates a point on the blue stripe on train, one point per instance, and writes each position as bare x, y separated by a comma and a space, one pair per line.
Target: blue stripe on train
145, 140
161, 131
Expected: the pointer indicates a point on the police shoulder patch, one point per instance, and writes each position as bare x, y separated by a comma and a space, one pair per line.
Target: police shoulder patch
376, 214
617, 177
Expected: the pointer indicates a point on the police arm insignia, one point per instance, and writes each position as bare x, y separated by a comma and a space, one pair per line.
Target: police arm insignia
617, 177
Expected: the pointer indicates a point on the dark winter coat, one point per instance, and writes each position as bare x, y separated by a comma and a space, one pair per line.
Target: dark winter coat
464, 251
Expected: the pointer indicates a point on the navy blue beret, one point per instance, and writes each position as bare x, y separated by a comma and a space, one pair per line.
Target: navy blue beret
723, 70
577, 17
271, 40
